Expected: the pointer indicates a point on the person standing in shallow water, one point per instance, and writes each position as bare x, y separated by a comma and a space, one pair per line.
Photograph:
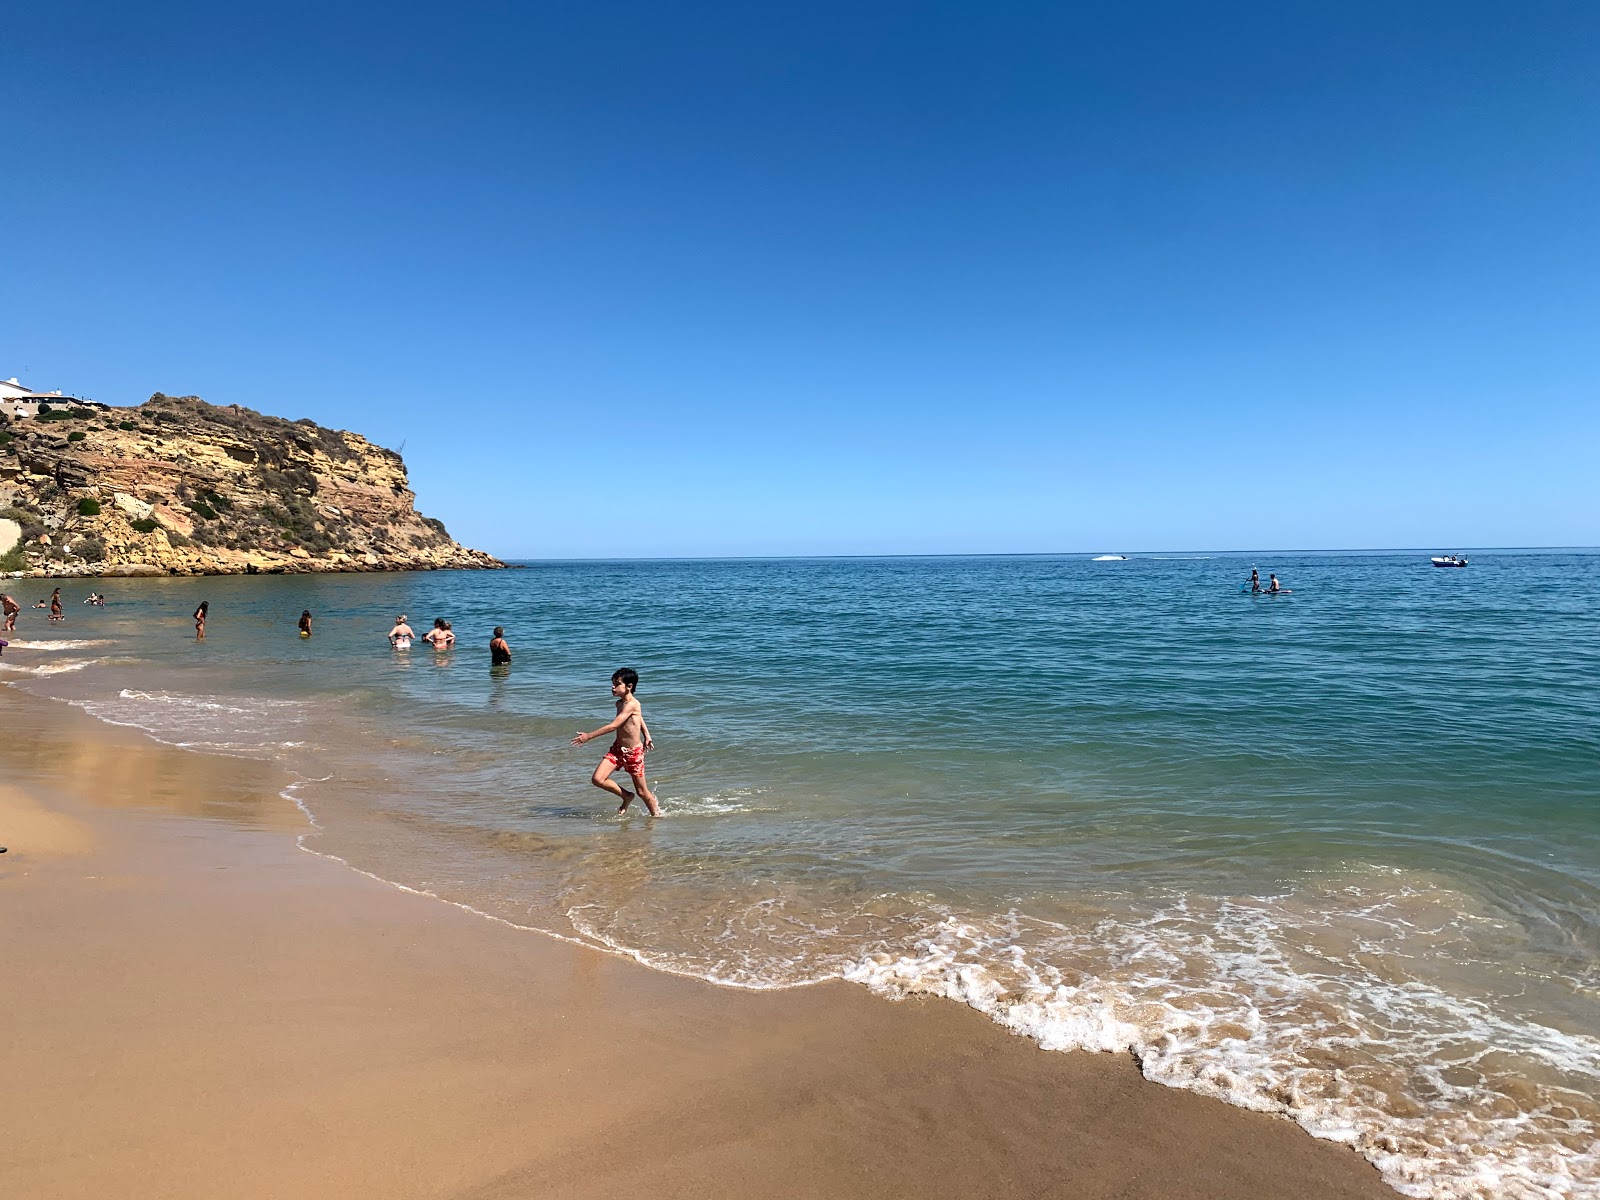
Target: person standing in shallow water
627, 752
305, 623
499, 652
200, 620
55, 606
11, 609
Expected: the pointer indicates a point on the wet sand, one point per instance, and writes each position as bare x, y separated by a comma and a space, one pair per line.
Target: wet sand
197, 1008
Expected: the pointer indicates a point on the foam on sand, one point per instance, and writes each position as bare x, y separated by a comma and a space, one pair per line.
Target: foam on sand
1448, 1098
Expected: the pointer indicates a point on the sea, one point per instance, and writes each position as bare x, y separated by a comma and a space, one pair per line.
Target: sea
1332, 854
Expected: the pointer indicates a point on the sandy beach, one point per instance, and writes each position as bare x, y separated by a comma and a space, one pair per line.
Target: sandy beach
197, 1007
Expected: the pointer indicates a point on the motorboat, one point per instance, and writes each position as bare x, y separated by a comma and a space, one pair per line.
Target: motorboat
1449, 560
1110, 558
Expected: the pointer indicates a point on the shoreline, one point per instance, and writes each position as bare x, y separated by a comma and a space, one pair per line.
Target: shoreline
204, 1008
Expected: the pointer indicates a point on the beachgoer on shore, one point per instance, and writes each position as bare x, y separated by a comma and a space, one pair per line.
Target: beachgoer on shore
440, 637
11, 608
499, 652
627, 752
402, 635
55, 606
200, 620
305, 623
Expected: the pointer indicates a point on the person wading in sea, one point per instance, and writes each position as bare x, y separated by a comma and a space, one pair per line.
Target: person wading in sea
499, 652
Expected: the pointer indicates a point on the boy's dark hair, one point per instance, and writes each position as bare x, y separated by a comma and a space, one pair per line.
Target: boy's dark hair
628, 676
499, 631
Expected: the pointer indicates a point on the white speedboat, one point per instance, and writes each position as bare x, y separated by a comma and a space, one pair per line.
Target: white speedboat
1109, 558
1449, 560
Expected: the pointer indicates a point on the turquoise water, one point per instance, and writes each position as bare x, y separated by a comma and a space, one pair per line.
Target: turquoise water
1334, 854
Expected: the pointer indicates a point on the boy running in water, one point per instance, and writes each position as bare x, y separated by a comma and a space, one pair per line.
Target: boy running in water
627, 752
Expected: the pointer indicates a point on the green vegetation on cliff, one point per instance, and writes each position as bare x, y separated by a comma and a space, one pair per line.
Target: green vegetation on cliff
186, 486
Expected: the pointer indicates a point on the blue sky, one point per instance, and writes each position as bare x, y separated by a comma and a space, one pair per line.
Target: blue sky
731, 278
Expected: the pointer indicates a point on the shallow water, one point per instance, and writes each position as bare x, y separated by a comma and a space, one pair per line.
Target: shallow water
1333, 854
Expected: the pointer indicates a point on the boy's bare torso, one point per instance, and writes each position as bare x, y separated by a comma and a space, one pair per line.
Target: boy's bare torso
629, 732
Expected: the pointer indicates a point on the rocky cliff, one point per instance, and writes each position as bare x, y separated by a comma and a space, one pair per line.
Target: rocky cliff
179, 486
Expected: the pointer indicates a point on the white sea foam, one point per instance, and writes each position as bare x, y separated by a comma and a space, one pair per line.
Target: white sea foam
61, 644
55, 668
235, 725
1448, 1098
729, 803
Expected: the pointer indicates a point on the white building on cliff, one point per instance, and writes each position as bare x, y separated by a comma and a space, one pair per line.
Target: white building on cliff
21, 402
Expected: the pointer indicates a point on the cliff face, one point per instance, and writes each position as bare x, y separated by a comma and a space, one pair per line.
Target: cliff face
179, 486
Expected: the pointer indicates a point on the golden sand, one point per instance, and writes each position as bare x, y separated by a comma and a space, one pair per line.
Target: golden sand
197, 1008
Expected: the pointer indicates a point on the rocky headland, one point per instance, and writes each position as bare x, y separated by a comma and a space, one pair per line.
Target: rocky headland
177, 486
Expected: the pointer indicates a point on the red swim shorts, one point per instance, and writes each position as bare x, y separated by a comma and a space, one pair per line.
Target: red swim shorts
630, 760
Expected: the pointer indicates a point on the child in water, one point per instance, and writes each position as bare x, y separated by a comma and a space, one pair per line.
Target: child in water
627, 752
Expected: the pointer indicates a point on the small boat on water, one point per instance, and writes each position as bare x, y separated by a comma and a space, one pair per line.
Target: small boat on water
1110, 558
1449, 560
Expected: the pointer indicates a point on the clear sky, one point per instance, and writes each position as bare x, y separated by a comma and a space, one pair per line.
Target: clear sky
740, 278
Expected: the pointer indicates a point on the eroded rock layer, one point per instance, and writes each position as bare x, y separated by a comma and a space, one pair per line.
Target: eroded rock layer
179, 486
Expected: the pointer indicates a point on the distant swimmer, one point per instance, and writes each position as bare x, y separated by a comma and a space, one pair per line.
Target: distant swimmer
96, 599
55, 606
1255, 580
200, 620
305, 623
627, 752
401, 636
11, 608
499, 652
441, 636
